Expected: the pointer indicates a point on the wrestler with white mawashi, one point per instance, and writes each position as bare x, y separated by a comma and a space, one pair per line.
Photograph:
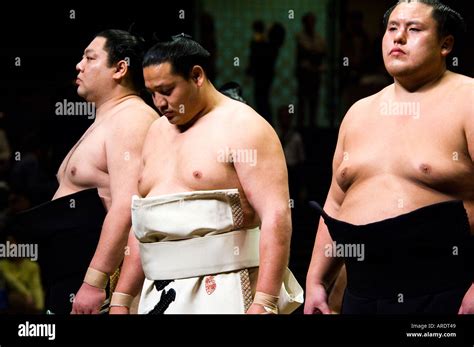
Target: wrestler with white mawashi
212, 224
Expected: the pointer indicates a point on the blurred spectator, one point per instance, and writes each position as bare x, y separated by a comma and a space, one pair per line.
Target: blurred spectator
233, 90
355, 45
23, 284
310, 51
293, 147
264, 50
357, 52
29, 173
209, 42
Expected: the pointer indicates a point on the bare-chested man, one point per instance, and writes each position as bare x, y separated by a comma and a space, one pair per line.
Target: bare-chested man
96, 179
403, 180
212, 172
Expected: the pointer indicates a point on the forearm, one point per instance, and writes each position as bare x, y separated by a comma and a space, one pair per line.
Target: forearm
323, 269
131, 276
113, 239
274, 253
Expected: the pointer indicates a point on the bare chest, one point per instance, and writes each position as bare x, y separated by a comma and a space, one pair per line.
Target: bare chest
188, 161
427, 145
86, 162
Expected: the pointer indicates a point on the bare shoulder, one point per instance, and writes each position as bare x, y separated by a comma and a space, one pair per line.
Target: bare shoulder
461, 86
459, 80
129, 123
159, 126
462, 97
459, 90
134, 111
242, 119
365, 108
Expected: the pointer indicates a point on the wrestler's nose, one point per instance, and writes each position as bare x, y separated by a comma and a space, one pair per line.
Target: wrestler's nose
159, 101
400, 36
79, 66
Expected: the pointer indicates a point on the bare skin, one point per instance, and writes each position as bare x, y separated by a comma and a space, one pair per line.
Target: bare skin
387, 164
416, 162
106, 157
86, 164
184, 153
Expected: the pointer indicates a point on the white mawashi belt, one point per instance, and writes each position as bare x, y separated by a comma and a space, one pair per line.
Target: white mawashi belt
200, 256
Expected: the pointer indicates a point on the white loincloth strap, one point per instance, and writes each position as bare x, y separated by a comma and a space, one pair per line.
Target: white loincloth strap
291, 294
200, 256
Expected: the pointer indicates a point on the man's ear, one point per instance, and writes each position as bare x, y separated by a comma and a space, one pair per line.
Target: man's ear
197, 75
447, 45
121, 69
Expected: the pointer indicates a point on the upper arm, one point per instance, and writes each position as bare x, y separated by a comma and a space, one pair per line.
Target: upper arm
124, 146
469, 123
336, 194
154, 131
264, 181
470, 136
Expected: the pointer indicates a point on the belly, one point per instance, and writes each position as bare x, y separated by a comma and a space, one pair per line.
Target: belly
64, 190
67, 188
386, 196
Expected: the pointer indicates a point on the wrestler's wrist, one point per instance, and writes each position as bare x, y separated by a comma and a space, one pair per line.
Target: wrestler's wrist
317, 283
119, 310
89, 287
121, 300
324, 285
96, 278
267, 301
